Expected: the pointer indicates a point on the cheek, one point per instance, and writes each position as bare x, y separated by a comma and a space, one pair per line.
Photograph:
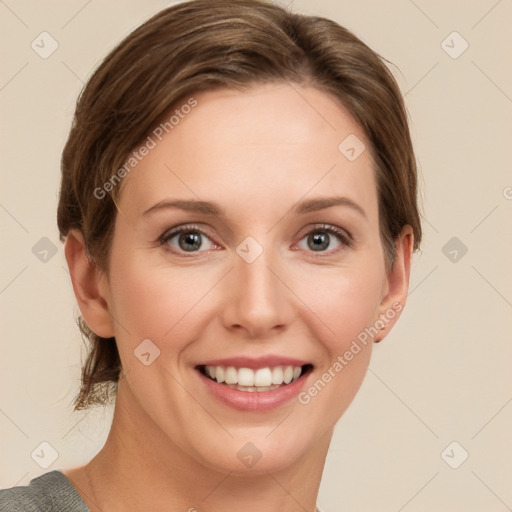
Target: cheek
152, 300
345, 304
344, 300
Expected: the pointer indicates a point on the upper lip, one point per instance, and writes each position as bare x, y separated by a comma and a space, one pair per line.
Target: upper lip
255, 362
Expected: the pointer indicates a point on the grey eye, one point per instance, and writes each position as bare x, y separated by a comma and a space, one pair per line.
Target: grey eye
320, 241
190, 241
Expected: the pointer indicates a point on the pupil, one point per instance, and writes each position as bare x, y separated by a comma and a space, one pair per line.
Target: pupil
190, 241
318, 241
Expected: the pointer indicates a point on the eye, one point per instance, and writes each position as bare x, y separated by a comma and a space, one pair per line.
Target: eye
325, 239
188, 239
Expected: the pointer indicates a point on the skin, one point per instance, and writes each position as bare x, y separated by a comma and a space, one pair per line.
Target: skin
257, 154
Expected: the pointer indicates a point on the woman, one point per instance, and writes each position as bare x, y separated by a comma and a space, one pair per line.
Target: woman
238, 205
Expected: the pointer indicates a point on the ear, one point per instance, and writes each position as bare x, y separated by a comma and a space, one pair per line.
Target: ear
90, 285
397, 285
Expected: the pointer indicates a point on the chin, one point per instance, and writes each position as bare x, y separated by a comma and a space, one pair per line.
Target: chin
258, 453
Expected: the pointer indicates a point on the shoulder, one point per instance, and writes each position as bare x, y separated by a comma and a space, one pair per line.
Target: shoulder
49, 492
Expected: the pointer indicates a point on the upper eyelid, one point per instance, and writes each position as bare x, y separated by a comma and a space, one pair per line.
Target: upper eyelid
315, 227
327, 227
169, 233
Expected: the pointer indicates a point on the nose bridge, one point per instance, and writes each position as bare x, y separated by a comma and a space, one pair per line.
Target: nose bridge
258, 301
259, 282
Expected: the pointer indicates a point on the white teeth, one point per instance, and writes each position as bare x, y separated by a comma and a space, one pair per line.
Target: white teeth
247, 379
277, 375
263, 377
231, 375
288, 374
252, 389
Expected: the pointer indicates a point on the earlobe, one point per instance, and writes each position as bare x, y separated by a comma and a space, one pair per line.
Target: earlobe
397, 284
90, 286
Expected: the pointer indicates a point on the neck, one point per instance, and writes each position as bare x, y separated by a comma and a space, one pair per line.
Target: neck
140, 468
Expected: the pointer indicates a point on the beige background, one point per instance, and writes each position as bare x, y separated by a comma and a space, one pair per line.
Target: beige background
443, 375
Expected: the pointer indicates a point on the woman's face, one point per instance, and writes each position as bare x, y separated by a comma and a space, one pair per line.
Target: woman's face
247, 243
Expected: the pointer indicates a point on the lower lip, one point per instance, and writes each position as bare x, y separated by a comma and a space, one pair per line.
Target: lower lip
256, 400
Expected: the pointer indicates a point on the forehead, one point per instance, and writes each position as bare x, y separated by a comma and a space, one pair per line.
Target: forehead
270, 141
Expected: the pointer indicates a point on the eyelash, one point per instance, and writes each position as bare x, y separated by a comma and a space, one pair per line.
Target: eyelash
169, 235
343, 236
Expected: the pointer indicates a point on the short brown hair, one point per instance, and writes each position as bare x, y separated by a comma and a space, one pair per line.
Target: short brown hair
201, 45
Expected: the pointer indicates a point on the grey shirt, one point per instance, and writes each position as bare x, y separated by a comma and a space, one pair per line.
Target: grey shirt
51, 492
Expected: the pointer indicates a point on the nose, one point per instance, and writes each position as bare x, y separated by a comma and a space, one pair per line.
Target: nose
257, 303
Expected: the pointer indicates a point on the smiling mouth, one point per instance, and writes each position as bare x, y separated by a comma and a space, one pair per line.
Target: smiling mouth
255, 380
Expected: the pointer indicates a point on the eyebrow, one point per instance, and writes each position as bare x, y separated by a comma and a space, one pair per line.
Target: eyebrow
213, 209
322, 203
204, 207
